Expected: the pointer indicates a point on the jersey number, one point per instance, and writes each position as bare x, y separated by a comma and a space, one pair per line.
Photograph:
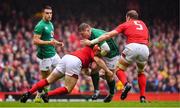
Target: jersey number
139, 26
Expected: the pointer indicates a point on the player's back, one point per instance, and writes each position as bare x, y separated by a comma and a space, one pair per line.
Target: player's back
135, 30
85, 54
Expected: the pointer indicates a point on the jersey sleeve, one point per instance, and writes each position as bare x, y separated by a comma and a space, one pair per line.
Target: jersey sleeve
38, 29
120, 28
97, 33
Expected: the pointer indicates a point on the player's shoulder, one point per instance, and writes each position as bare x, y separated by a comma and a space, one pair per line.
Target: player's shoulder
40, 24
97, 30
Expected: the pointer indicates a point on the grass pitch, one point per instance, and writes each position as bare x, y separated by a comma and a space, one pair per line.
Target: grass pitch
155, 104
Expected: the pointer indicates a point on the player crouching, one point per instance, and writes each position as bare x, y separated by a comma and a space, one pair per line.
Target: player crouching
69, 67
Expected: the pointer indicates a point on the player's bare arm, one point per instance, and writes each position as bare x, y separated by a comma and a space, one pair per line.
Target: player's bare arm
38, 41
104, 37
107, 36
102, 64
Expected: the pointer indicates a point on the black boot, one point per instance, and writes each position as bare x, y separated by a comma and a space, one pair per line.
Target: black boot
142, 99
108, 98
127, 88
45, 98
95, 95
25, 97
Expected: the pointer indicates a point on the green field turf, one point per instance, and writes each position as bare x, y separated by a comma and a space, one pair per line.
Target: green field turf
90, 104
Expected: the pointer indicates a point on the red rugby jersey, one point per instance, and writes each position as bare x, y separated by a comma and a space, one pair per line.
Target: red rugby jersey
86, 55
135, 31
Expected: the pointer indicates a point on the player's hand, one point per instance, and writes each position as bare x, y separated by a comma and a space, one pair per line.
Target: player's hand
85, 42
60, 43
52, 42
55, 42
96, 50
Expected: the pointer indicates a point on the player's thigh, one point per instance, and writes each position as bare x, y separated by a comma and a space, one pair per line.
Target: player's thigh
111, 62
73, 65
55, 60
129, 53
141, 66
45, 74
54, 76
143, 53
58, 71
44, 64
70, 82
122, 64
142, 58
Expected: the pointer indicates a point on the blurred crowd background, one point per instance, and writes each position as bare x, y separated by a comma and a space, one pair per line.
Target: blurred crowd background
18, 65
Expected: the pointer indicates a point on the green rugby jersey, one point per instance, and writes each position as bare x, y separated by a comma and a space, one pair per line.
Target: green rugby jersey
46, 30
114, 50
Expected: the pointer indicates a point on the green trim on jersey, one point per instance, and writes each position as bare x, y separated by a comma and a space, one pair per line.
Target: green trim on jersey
114, 50
46, 30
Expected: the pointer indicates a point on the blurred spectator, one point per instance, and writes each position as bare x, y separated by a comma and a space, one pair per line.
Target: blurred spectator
19, 68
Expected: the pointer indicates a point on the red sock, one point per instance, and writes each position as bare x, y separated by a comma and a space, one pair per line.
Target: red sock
38, 85
58, 91
121, 76
142, 84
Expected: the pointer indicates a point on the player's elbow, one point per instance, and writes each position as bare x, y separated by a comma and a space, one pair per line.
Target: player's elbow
35, 41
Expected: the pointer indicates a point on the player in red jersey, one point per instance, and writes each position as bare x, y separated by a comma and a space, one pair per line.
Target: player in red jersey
70, 66
136, 50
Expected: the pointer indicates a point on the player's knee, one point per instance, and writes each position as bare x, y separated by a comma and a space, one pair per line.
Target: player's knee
141, 68
49, 80
140, 71
121, 66
109, 78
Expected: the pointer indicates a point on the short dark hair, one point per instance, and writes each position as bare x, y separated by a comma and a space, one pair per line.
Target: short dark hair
83, 26
46, 7
132, 14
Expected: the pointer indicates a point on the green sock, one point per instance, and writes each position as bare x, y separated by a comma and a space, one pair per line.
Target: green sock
95, 80
111, 85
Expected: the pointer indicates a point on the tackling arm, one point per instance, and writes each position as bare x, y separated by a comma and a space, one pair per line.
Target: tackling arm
104, 37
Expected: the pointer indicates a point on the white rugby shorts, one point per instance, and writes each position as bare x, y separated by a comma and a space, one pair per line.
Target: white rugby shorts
135, 52
48, 63
69, 65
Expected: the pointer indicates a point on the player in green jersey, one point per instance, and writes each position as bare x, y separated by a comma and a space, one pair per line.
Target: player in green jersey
45, 42
109, 53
